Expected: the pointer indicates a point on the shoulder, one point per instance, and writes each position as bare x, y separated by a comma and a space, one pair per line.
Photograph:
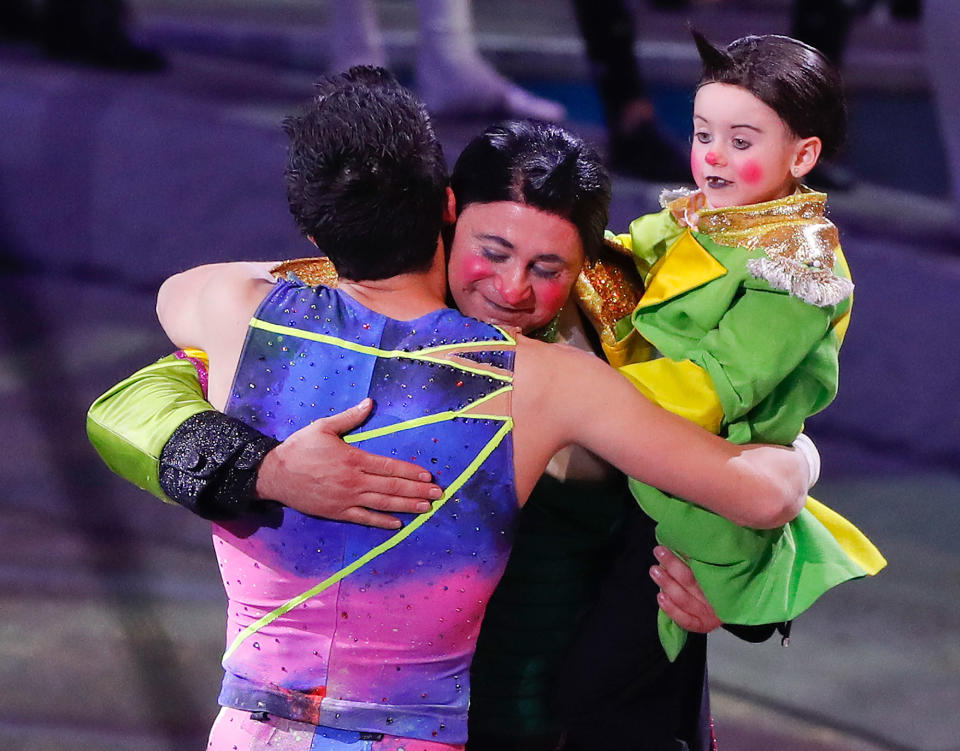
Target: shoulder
554, 374
195, 306
799, 245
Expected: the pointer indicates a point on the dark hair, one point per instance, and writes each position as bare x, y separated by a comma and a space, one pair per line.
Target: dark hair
540, 165
365, 176
793, 79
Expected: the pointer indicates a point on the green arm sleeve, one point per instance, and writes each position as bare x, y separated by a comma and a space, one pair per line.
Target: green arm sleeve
131, 423
773, 364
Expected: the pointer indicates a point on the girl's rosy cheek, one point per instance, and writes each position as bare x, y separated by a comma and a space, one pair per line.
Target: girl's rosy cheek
696, 166
751, 172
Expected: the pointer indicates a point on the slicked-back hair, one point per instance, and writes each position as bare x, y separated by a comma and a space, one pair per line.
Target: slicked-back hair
541, 165
792, 78
365, 175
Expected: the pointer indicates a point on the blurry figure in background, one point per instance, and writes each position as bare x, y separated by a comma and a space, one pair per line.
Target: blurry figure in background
941, 24
826, 25
452, 78
639, 146
87, 31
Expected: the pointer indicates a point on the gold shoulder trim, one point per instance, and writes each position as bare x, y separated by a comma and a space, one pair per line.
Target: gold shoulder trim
314, 271
607, 289
799, 241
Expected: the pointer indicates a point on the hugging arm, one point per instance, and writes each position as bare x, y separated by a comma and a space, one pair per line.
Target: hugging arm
588, 403
157, 430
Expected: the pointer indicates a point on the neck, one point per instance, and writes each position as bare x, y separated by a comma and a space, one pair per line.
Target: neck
404, 296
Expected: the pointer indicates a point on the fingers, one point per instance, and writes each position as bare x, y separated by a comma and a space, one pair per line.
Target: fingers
371, 518
385, 466
680, 596
679, 572
397, 487
347, 420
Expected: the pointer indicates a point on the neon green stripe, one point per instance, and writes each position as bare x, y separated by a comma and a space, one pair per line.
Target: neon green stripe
392, 542
429, 419
376, 352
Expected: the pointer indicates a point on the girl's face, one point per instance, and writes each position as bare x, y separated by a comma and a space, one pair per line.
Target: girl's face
742, 151
511, 264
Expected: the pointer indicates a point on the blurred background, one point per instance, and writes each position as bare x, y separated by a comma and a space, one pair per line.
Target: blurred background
138, 140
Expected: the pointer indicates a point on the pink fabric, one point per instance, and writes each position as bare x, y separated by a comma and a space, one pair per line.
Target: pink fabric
235, 730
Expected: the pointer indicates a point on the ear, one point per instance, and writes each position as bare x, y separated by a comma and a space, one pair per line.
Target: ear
450, 207
806, 157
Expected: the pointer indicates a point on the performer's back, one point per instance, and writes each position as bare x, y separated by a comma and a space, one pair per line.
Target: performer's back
355, 627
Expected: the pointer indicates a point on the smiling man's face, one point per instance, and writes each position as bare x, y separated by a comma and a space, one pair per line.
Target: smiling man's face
513, 265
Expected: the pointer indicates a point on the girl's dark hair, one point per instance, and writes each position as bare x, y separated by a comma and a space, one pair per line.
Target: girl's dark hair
792, 78
541, 165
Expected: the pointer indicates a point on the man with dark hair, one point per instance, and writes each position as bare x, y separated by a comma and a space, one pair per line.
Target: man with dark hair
350, 637
388, 197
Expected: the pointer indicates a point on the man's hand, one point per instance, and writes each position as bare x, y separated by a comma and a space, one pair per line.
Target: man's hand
316, 473
680, 596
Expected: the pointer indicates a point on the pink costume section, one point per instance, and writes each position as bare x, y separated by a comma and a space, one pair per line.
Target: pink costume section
236, 730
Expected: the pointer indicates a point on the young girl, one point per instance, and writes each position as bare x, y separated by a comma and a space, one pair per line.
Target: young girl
747, 299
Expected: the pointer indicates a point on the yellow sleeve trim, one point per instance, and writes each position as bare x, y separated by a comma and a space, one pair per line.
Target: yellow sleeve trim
632, 348
852, 540
197, 354
680, 387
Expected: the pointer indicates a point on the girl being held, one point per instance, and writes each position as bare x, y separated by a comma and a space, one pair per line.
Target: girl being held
746, 301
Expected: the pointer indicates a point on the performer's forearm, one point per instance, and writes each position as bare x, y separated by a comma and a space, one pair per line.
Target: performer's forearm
157, 430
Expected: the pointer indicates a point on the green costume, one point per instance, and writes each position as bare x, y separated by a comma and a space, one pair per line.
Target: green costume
738, 329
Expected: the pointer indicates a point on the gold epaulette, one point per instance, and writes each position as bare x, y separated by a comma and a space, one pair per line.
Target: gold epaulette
311, 271
799, 241
608, 288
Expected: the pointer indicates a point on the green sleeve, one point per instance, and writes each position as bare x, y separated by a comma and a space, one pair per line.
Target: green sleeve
652, 234
131, 423
773, 362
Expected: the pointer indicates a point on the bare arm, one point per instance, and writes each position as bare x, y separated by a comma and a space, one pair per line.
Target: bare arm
209, 308
564, 396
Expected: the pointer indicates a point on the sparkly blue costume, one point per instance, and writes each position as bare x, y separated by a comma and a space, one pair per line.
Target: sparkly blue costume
353, 627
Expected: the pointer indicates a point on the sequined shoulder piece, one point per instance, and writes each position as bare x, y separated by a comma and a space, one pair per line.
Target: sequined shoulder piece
800, 244
313, 271
608, 288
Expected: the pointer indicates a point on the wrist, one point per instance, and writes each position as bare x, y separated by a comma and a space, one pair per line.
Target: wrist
808, 450
210, 465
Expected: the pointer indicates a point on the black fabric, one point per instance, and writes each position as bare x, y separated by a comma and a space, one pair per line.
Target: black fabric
824, 24
566, 542
608, 33
757, 634
619, 690
210, 465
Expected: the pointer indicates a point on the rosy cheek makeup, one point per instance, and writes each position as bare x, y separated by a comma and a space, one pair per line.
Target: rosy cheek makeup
476, 268
695, 168
751, 172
